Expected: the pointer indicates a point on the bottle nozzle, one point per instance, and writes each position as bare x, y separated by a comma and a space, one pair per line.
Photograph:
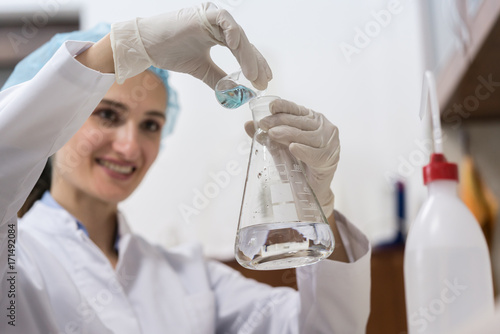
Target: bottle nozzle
429, 96
438, 168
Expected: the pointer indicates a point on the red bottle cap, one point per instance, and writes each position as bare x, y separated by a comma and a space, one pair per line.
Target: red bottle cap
440, 169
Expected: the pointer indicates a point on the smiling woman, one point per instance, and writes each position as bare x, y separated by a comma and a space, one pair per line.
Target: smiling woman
111, 168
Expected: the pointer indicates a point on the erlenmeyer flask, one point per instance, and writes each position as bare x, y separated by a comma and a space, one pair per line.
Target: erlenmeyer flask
281, 223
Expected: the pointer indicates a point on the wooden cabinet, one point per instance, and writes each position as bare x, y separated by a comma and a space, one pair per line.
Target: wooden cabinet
476, 94
462, 45
387, 304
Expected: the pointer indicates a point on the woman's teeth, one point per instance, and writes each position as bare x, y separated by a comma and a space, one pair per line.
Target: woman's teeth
115, 167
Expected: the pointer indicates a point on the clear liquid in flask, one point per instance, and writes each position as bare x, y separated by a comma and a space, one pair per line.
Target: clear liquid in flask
283, 245
234, 97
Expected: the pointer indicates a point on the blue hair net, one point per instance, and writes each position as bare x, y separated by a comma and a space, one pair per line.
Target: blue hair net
27, 68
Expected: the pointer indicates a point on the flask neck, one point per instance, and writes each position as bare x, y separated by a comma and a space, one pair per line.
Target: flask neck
260, 108
448, 187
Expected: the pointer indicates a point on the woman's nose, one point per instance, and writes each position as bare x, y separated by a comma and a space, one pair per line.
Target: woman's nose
126, 141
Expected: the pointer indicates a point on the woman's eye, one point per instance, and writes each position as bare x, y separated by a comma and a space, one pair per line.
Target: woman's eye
108, 116
151, 126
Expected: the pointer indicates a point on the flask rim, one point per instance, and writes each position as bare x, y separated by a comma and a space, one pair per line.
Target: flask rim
260, 107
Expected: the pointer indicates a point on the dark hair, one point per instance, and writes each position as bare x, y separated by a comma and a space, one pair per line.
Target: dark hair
42, 185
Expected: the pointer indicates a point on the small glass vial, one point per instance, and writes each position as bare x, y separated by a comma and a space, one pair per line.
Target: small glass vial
234, 90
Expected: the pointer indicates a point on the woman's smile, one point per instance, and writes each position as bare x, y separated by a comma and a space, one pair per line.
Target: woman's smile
117, 169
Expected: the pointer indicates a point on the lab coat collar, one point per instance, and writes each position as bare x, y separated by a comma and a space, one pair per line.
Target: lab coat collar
61, 221
48, 200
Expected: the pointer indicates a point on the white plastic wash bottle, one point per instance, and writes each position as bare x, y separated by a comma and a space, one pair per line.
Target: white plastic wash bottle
447, 268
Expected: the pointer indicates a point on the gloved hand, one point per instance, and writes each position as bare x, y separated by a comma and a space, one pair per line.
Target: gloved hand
181, 41
311, 138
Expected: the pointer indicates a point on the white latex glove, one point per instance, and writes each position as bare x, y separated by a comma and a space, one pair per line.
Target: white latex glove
181, 41
311, 138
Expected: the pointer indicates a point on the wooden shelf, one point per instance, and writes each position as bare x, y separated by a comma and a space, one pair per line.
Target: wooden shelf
475, 102
19, 35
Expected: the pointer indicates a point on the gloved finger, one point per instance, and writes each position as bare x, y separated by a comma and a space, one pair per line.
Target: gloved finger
209, 13
250, 128
300, 122
318, 138
264, 71
288, 107
253, 64
213, 74
325, 159
286, 135
235, 39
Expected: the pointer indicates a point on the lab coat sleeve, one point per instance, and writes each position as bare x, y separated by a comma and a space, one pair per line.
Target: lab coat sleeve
36, 118
333, 297
249, 307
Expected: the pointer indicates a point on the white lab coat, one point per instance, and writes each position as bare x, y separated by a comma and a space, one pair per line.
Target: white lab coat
62, 283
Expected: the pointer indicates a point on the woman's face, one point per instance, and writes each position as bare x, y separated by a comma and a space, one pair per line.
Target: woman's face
109, 156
